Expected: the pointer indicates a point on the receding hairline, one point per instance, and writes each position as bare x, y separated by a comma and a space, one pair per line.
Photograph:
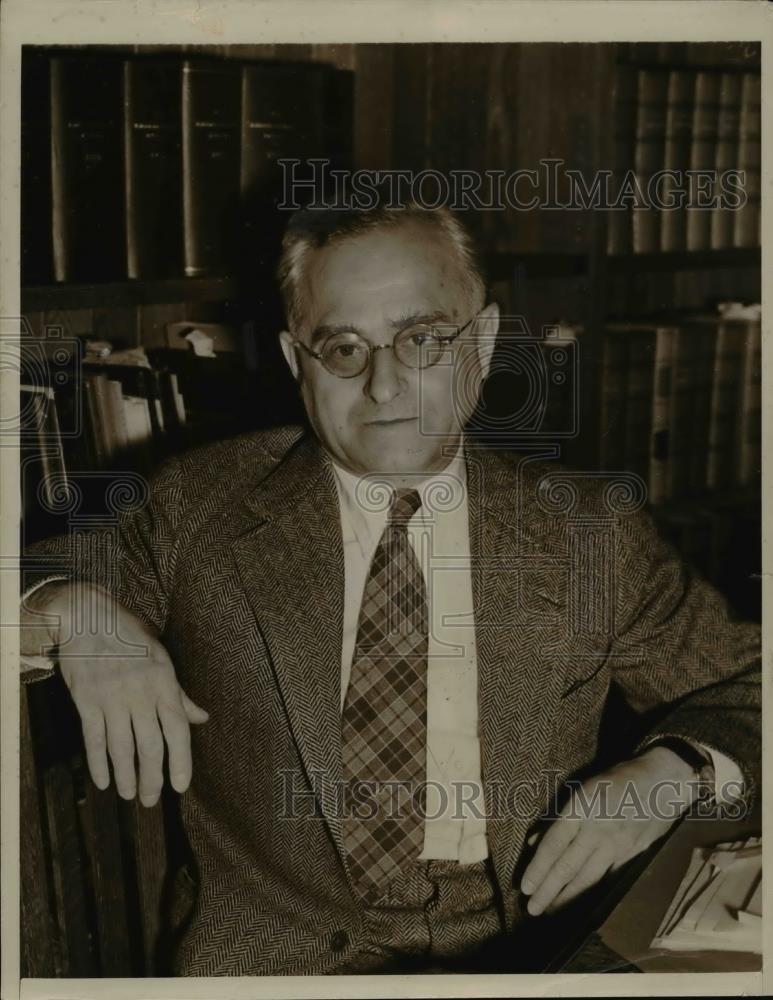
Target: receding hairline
299, 245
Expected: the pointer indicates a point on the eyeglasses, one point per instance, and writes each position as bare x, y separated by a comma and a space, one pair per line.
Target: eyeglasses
422, 345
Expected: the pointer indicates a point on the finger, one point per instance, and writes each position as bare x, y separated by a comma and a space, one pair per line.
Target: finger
95, 742
178, 739
532, 840
594, 869
553, 844
195, 714
120, 746
150, 754
562, 872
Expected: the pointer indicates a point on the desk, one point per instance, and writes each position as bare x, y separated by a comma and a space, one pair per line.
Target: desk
621, 942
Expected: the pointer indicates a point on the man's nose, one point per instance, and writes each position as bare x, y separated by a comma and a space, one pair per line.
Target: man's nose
385, 381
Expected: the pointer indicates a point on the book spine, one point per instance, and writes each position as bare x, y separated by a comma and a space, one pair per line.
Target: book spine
676, 158
117, 415
96, 441
746, 230
702, 157
639, 390
172, 406
211, 130
619, 236
728, 134
750, 428
87, 168
648, 155
705, 339
177, 398
682, 411
269, 129
34, 482
38, 406
37, 260
59, 217
661, 415
105, 427
139, 430
153, 151
725, 394
78, 449
613, 402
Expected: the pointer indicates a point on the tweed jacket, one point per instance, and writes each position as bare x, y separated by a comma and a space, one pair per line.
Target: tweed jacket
237, 559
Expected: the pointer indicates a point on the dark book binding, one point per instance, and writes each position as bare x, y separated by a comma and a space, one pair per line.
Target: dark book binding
286, 116
723, 217
153, 150
87, 174
703, 154
623, 143
676, 158
37, 260
746, 229
211, 129
652, 90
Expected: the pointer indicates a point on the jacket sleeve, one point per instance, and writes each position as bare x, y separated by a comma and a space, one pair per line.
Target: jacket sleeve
130, 552
679, 651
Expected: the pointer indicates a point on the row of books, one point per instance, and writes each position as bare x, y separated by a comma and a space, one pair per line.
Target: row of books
161, 166
684, 120
681, 401
115, 412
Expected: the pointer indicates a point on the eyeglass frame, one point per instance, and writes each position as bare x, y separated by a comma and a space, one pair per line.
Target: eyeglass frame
372, 348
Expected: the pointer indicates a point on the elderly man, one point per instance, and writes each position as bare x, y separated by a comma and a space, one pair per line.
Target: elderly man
390, 632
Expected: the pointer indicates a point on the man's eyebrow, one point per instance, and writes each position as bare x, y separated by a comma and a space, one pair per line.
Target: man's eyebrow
325, 331
409, 319
397, 324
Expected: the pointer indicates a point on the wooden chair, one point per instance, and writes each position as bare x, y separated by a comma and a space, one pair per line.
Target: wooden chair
96, 871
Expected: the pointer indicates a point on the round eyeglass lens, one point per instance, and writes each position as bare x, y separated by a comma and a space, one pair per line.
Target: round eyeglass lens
419, 346
345, 354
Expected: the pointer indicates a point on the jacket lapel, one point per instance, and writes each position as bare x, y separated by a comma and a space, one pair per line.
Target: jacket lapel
290, 561
291, 565
518, 581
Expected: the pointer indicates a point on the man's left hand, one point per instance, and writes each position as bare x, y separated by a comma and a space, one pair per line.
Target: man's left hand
608, 820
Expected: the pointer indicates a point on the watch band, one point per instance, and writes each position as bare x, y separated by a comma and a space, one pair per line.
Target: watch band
701, 763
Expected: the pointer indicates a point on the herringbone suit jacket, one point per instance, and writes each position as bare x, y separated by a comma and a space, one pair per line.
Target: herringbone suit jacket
237, 560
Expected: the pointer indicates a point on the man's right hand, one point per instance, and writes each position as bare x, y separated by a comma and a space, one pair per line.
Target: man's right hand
123, 685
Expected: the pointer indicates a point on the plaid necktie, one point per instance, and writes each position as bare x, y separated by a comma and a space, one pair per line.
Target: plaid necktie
384, 722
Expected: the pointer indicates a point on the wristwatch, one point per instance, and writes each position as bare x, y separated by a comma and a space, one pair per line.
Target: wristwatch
700, 762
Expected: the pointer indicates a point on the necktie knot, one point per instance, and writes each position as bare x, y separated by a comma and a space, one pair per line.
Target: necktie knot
405, 503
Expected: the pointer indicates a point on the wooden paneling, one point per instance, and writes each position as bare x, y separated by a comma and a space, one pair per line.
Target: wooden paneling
502, 229
411, 107
374, 107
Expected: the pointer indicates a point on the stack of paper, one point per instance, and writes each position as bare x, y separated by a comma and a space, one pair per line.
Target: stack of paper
718, 906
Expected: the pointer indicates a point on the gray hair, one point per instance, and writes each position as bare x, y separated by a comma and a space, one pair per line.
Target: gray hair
312, 229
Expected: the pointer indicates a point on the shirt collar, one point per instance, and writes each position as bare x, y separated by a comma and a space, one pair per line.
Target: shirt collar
365, 499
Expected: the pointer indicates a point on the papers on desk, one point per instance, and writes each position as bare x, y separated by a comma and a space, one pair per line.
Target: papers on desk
718, 906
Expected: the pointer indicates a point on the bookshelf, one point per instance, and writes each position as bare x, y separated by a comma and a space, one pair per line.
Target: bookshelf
408, 107
118, 294
546, 266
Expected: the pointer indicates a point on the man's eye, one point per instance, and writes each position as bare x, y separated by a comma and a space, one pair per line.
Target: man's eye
346, 350
419, 338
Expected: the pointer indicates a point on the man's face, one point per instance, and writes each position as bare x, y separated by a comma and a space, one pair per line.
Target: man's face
390, 419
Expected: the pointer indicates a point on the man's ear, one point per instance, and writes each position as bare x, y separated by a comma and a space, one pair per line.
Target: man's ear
286, 339
486, 329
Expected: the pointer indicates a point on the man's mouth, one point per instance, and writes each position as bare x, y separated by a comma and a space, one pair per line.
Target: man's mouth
389, 421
